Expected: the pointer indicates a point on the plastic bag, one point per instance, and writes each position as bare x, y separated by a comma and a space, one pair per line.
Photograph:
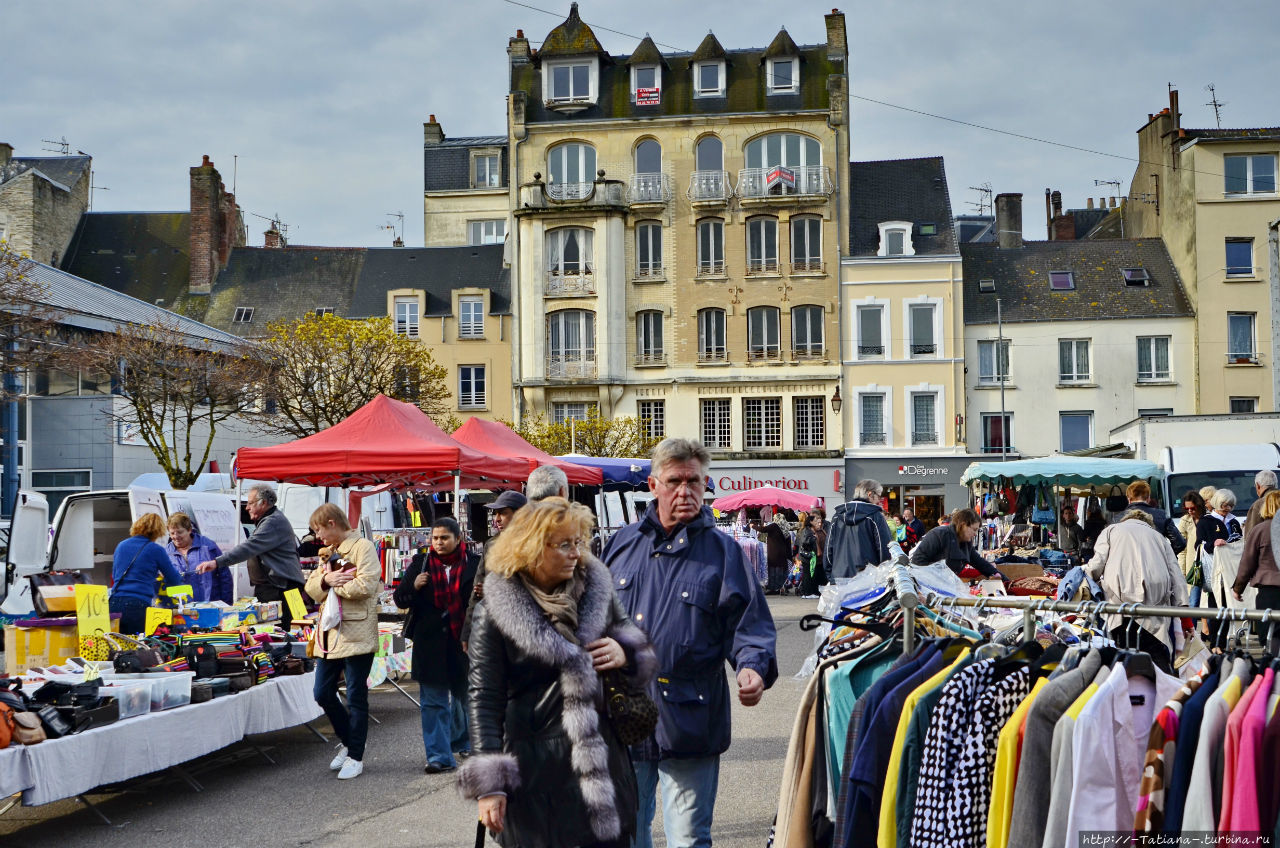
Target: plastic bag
331, 614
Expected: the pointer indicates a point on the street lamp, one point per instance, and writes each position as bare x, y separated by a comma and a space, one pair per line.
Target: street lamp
836, 401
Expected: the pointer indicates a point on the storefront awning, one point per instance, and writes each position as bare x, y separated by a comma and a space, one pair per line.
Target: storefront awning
1064, 470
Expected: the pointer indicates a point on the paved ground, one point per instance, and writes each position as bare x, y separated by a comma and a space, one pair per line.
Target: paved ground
248, 802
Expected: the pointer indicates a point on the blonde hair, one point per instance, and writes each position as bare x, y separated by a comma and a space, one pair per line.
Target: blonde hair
327, 512
149, 525
1207, 492
1271, 504
180, 519
520, 546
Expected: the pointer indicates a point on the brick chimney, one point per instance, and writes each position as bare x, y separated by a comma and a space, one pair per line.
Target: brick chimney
6, 153
518, 49
432, 132
216, 226
837, 42
1064, 227
272, 238
1009, 220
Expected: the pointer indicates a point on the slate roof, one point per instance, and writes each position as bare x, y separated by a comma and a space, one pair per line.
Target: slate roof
473, 141
146, 254
64, 170
91, 306
900, 190
1251, 134
289, 282
447, 166
1022, 281
571, 38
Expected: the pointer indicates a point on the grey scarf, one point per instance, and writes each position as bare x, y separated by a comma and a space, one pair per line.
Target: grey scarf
560, 605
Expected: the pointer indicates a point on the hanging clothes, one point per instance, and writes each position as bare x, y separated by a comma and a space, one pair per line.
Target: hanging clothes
1008, 752
1158, 762
1062, 761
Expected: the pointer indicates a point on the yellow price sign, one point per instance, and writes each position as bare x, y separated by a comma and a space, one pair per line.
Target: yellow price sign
297, 609
92, 610
181, 591
157, 617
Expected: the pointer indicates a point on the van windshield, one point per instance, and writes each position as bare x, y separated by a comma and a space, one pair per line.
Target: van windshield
1239, 482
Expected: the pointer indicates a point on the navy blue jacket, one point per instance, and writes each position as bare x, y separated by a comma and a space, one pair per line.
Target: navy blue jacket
694, 596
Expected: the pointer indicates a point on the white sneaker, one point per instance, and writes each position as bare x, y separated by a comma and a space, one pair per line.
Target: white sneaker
339, 759
351, 768
810, 597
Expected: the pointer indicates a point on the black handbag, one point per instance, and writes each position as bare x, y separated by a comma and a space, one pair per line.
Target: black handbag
1116, 500
631, 712
45, 589
55, 726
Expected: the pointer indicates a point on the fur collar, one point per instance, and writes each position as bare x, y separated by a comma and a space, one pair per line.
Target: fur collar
515, 613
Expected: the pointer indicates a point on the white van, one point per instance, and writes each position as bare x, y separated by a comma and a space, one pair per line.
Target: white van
1221, 466
88, 526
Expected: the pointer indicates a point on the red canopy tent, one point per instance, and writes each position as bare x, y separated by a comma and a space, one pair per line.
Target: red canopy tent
498, 439
385, 441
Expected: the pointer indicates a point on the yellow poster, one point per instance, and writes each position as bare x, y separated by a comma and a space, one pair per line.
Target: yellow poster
157, 617
92, 615
297, 609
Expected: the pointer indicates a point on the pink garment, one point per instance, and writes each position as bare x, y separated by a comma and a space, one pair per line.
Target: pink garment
1244, 806
1231, 761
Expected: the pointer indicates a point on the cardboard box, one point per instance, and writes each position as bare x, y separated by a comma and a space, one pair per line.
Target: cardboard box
47, 643
1019, 570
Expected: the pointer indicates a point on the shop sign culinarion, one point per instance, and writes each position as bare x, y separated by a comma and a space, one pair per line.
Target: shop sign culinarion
742, 484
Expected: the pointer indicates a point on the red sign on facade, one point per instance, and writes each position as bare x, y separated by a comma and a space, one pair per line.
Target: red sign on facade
780, 175
648, 96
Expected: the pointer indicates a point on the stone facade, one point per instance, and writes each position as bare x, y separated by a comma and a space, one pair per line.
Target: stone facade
41, 201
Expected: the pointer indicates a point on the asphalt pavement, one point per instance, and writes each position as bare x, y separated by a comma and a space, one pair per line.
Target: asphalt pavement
250, 803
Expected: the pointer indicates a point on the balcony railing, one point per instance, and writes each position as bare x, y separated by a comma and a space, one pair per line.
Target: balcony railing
650, 273
569, 285
571, 365
924, 438
759, 353
569, 191
653, 357
811, 351
713, 354
648, 188
709, 187
1243, 357
923, 349
710, 268
873, 438
809, 266
810, 180
762, 266
869, 351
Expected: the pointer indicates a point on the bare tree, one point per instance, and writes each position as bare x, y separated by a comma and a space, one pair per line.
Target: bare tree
177, 389
28, 323
597, 435
326, 367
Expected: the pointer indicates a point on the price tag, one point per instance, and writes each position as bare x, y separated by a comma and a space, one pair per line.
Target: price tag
157, 617
181, 591
92, 611
297, 609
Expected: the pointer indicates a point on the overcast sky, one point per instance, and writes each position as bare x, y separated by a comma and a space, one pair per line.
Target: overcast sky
323, 101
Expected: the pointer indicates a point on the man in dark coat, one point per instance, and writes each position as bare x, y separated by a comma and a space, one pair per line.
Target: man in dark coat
860, 535
1139, 496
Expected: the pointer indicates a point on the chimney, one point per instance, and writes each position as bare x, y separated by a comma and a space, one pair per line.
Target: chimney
398, 242
6, 153
837, 42
1009, 220
432, 132
1064, 227
1088, 202
518, 49
272, 238
1173, 108
216, 226
1113, 202
1057, 204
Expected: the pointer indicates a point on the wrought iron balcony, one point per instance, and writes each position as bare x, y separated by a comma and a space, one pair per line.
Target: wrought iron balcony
872, 438
776, 184
924, 438
870, 351
569, 285
710, 268
653, 357
569, 191
650, 273
924, 349
758, 353
709, 187
713, 354
809, 266
762, 266
648, 188
809, 351
571, 365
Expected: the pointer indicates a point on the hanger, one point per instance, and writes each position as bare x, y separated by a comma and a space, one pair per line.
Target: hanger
813, 621
1136, 663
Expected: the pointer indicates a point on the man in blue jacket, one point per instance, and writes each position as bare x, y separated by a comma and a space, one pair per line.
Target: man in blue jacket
688, 587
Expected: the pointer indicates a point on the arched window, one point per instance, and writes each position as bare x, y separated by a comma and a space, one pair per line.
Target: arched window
649, 249
646, 182
807, 331
762, 333
571, 342
762, 245
782, 163
711, 336
649, 347
648, 157
710, 154
708, 181
571, 170
791, 150
806, 243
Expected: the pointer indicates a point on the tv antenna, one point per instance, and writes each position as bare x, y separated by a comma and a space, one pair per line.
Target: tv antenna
59, 146
1215, 103
93, 188
276, 224
981, 206
1115, 183
397, 228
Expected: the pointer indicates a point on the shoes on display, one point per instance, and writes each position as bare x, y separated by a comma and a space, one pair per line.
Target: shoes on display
339, 759
351, 768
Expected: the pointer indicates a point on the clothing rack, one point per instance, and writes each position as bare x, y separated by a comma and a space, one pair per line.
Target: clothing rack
904, 586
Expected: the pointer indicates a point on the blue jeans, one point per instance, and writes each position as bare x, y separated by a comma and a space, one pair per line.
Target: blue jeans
133, 613
1193, 596
459, 732
688, 800
437, 724
350, 723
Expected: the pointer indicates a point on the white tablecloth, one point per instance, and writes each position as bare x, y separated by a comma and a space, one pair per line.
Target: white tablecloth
64, 768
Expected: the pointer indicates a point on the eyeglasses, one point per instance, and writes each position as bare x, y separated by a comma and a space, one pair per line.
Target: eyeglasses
696, 484
571, 545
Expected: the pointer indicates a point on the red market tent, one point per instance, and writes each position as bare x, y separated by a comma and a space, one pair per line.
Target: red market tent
496, 439
767, 496
385, 441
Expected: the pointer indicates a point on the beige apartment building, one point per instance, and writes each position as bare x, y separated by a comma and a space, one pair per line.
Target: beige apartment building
1210, 195
676, 241
466, 196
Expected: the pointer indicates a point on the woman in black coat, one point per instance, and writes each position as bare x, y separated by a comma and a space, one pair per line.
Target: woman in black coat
548, 770
435, 589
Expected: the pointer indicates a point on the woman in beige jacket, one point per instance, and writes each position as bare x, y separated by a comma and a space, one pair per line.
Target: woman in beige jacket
351, 573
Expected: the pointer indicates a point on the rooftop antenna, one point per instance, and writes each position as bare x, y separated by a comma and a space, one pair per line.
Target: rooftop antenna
1115, 183
396, 229
981, 206
93, 188
59, 146
276, 224
1215, 103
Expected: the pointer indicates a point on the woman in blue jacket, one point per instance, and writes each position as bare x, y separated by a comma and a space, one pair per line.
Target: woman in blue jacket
138, 559
187, 549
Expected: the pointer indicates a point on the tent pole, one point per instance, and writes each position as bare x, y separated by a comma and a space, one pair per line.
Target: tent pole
457, 496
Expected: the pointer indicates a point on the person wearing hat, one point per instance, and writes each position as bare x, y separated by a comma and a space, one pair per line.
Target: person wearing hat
502, 508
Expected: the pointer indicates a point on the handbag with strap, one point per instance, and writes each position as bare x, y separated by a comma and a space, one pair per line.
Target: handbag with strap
1116, 499
53, 592
1043, 512
28, 729
632, 713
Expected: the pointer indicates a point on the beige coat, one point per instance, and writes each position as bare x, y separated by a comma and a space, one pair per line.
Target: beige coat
1187, 527
1134, 564
358, 633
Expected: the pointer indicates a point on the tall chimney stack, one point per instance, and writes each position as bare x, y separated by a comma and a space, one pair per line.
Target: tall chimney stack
1009, 220
432, 132
6, 153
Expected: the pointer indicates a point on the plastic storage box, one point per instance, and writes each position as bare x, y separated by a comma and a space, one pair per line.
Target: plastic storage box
133, 697
167, 689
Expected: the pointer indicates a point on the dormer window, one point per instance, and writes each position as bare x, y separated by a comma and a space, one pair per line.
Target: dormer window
708, 79
1136, 277
570, 82
646, 85
243, 315
1061, 280
784, 76
987, 286
895, 239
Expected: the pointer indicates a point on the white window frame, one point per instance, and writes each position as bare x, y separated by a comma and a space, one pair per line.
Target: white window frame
1075, 376
938, 406
476, 398
587, 174
768, 439
243, 315
657, 80
1155, 375
1248, 174
487, 231
795, 76
493, 169
586, 351
718, 320
1252, 353
994, 378
758, 259
1235, 275
886, 227
711, 266
811, 257
811, 348
645, 231
885, 350
650, 346
1076, 413
809, 426
593, 80
652, 415
908, 338
408, 315
586, 252
885, 393
1008, 436
563, 410
471, 327
698, 90
1252, 402
765, 351
722, 425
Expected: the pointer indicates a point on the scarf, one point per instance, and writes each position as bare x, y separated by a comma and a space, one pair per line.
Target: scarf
560, 605
446, 591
